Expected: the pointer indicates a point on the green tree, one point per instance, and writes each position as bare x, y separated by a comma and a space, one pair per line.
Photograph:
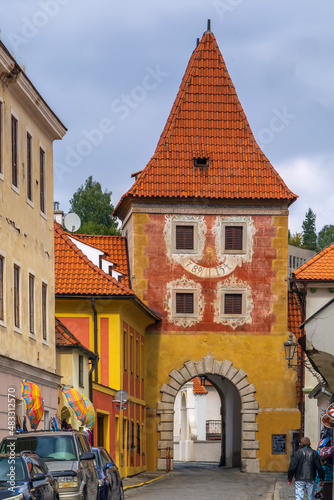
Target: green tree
295, 239
309, 233
94, 209
326, 236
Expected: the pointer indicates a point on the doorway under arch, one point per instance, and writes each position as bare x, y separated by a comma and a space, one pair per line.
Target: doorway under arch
239, 445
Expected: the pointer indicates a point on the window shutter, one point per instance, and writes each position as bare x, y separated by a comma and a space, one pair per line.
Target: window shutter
233, 303
233, 237
184, 237
184, 303
189, 303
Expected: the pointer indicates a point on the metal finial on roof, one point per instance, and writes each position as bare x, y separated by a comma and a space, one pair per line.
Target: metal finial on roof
197, 42
209, 24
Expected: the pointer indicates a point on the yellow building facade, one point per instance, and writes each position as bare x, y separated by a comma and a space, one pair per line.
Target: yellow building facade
28, 128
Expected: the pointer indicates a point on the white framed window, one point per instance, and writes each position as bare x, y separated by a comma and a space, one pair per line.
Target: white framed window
15, 153
31, 303
185, 237
2, 289
185, 303
233, 303
44, 315
42, 180
29, 168
1, 138
17, 297
234, 237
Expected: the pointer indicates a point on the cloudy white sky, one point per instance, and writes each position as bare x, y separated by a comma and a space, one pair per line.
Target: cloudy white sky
117, 66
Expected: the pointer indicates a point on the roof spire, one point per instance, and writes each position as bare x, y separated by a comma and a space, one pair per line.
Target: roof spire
209, 26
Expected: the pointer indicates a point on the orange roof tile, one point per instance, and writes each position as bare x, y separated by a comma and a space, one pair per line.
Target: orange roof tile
198, 387
318, 268
64, 338
207, 120
115, 248
75, 274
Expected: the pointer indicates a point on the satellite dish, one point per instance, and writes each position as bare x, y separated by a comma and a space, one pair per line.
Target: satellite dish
72, 222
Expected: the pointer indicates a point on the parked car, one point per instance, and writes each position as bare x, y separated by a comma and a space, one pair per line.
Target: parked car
110, 482
69, 457
24, 476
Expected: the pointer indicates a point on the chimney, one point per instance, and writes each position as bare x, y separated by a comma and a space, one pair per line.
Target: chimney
58, 214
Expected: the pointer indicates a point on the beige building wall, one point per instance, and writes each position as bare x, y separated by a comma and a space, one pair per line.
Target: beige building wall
26, 234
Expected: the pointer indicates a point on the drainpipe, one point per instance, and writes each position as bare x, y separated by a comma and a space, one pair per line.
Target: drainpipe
90, 388
96, 379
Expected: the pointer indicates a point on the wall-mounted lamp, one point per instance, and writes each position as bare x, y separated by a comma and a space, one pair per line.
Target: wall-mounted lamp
290, 347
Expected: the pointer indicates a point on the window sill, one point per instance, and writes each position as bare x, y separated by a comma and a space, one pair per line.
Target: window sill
16, 189
32, 336
3, 323
45, 342
18, 330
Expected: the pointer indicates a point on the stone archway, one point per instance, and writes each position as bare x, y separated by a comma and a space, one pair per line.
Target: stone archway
249, 406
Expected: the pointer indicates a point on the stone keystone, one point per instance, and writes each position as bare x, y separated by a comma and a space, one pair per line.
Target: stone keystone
208, 363
200, 367
217, 367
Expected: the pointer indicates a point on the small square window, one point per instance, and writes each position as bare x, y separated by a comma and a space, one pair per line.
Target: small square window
233, 303
234, 238
184, 303
185, 237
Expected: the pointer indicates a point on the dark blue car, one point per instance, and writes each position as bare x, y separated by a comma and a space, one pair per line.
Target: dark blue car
110, 482
24, 476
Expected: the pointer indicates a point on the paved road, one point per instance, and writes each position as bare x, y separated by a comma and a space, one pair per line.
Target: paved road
207, 481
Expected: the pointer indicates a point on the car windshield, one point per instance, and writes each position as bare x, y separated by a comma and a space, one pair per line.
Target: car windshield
11, 470
50, 448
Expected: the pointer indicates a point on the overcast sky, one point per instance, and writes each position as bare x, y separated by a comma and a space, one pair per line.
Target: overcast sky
111, 71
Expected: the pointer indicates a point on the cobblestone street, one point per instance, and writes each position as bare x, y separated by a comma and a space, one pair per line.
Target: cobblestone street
191, 481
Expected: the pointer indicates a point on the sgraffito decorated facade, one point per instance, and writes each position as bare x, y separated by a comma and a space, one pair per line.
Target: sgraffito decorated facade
206, 223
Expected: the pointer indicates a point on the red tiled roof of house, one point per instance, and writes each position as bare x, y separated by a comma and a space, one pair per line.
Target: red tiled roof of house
208, 121
294, 313
198, 388
114, 247
318, 268
75, 274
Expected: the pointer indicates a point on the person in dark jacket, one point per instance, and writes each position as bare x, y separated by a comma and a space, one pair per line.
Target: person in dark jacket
303, 466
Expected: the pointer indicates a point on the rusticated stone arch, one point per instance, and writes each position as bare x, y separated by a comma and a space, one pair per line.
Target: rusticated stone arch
249, 406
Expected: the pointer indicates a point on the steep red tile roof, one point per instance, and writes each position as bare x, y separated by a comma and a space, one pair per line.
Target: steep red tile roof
75, 274
318, 268
207, 120
64, 338
198, 387
294, 313
114, 247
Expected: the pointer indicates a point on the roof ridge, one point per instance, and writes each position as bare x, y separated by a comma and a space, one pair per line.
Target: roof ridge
66, 238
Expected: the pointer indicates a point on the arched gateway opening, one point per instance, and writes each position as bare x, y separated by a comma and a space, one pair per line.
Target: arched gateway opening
239, 411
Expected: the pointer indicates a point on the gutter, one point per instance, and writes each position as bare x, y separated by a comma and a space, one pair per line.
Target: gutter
151, 312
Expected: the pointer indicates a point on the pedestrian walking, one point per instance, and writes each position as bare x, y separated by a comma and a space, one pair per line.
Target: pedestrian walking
304, 465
